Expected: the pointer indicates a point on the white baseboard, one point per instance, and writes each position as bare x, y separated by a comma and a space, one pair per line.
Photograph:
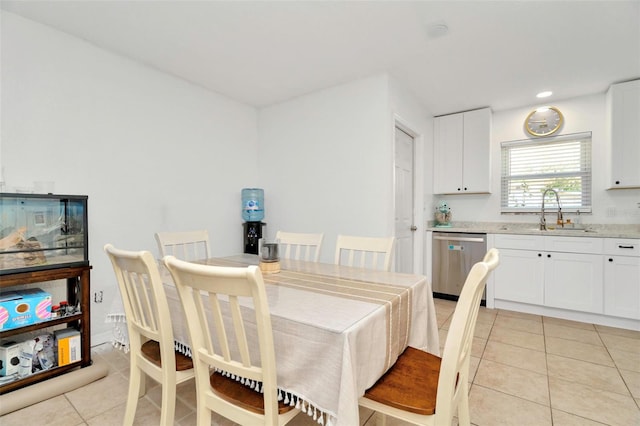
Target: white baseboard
100, 338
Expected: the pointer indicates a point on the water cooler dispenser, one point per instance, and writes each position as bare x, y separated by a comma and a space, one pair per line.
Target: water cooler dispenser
252, 213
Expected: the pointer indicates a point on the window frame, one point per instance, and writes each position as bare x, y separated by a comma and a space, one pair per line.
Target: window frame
585, 172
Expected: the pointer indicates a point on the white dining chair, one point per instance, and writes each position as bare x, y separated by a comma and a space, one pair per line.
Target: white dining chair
185, 245
365, 252
220, 290
424, 389
152, 350
299, 246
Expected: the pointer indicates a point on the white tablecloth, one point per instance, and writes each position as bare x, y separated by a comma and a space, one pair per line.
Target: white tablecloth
331, 346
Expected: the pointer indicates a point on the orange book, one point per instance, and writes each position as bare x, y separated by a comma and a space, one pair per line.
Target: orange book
69, 346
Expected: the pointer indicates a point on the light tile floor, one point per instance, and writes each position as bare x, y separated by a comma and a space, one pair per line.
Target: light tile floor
525, 370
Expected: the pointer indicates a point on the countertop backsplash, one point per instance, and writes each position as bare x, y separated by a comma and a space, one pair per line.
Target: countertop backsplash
584, 230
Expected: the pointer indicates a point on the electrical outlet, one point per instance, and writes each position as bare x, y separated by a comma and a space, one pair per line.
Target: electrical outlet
97, 296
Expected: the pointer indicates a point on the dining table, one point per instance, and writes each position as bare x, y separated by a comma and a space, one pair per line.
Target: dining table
336, 329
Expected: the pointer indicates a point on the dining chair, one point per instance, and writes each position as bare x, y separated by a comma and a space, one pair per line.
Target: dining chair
299, 246
185, 245
365, 252
220, 290
151, 340
424, 389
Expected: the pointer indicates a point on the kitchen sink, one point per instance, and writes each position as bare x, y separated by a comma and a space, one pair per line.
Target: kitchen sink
554, 230
558, 230
569, 230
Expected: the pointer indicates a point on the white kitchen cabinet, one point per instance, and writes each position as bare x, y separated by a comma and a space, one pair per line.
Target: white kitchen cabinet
462, 145
520, 276
623, 122
538, 270
573, 281
622, 278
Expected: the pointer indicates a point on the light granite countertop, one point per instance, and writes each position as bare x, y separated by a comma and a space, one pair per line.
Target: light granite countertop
584, 230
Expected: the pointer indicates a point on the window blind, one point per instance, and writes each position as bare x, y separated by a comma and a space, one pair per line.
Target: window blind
530, 167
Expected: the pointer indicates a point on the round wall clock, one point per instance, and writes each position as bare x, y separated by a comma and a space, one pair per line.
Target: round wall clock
543, 121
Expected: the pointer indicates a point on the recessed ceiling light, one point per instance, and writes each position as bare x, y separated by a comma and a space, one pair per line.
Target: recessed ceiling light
544, 94
437, 29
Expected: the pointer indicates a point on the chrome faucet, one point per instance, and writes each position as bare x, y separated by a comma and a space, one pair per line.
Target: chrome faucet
543, 221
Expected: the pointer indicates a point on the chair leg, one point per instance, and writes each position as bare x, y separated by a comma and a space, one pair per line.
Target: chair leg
168, 409
136, 390
464, 418
383, 419
203, 417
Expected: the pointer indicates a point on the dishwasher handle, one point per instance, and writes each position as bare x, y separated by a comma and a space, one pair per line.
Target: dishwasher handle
463, 239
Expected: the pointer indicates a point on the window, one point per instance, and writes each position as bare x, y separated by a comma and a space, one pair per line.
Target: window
530, 167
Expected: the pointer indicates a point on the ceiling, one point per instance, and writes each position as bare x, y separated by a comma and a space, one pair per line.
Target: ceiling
497, 54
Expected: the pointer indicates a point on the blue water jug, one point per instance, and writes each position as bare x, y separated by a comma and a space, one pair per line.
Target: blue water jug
252, 204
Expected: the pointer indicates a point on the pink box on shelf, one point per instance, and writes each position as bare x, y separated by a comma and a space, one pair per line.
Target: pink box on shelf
24, 307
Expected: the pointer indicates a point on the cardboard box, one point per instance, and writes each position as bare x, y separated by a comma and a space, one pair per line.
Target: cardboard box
69, 346
24, 307
9, 358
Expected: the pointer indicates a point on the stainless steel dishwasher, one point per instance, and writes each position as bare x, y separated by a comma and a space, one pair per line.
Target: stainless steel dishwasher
453, 256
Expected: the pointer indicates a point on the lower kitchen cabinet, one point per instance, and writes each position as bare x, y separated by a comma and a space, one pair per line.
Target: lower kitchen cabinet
622, 278
573, 281
520, 276
550, 271
622, 286
560, 280
581, 278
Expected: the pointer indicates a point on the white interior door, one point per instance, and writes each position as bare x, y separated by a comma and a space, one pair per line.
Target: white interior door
404, 203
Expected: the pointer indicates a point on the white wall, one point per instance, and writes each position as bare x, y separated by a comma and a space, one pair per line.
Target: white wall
583, 114
324, 162
326, 159
152, 152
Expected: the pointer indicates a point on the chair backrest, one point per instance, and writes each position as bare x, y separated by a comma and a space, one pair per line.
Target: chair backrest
454, 370
219, 289
365, 252
185, 245
299, 246
144, 299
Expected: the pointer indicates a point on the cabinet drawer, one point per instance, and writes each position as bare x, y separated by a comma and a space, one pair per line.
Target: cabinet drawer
519, 242
573, 244
622, 246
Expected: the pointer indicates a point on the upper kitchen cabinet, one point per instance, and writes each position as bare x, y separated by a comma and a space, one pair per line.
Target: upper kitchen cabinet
623, 121
462, 162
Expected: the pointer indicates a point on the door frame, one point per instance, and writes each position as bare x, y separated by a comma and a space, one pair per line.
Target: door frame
418, 188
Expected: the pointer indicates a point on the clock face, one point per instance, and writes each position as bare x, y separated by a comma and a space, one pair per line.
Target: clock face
543, 121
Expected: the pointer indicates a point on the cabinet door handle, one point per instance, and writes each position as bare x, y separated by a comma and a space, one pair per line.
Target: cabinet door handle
610, 260
624, 247
539, 254
548, 255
